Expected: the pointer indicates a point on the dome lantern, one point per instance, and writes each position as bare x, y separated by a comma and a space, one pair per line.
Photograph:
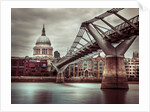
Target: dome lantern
43, 31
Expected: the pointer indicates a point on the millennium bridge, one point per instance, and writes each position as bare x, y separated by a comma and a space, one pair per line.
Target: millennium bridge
113, 41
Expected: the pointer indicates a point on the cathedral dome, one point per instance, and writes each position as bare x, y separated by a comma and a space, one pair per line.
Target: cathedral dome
43, 49
43, 39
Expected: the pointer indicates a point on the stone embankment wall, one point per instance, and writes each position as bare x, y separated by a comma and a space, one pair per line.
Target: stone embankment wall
67, 80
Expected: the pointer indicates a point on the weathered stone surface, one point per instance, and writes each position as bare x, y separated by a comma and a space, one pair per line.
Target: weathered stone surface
114, 73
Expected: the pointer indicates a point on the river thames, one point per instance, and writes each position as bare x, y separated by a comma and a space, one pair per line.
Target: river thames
71, 93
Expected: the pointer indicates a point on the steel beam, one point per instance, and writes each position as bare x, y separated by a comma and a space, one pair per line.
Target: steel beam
101, 31
88, 35
81, 44
103, 44
123, 46
112, 27
107, 47
127, 21
85, 39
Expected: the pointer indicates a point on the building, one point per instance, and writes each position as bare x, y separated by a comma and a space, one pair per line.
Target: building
90, 67
28, 67
93, 67
42, 48
35, 67
39, 64
132, 65
17, 66
57, 55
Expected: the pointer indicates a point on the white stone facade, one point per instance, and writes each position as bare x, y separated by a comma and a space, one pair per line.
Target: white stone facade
43, 49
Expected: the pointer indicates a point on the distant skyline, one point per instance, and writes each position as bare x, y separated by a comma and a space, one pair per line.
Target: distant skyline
61, 24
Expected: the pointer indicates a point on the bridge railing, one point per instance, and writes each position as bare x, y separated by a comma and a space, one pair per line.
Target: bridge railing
77, 40
123, 25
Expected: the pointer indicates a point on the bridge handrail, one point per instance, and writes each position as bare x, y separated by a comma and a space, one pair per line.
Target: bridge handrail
77, 39
123, 25
77, 51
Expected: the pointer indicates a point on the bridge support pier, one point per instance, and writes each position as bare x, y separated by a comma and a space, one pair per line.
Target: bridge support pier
114, 75
60, 73
60, 78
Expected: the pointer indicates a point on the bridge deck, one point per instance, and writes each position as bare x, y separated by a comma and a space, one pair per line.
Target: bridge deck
125, 28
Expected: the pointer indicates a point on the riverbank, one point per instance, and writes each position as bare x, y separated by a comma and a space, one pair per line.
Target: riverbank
67, 80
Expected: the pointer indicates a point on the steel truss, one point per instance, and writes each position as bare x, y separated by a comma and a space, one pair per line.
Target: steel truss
115, 34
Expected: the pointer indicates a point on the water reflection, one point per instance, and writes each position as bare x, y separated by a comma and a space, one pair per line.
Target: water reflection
71, 93
114, 96
42, 97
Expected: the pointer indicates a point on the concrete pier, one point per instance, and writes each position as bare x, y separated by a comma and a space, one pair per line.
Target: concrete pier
114, 73
60, 78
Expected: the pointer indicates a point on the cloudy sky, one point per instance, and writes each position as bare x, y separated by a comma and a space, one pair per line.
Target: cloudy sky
62, 26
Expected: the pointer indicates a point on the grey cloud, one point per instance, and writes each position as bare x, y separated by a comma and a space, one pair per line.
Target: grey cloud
62, 26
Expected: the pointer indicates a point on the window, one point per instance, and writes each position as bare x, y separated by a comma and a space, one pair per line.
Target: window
100, 67
21, 63
43, 51
90, 66
90, 62
95, 63
38, 51
49, 51
100, 63
14, 62
71, 65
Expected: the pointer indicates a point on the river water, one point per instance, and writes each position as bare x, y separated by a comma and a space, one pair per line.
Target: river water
71, 93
